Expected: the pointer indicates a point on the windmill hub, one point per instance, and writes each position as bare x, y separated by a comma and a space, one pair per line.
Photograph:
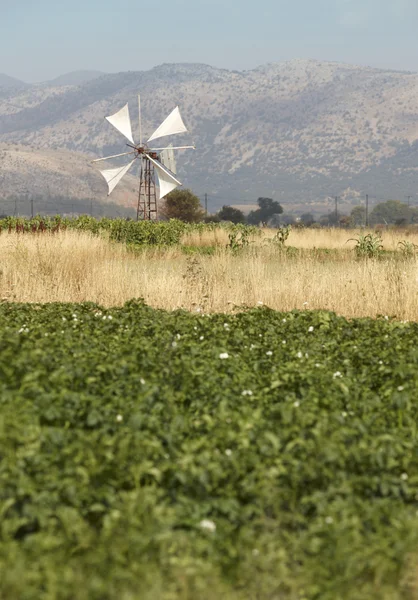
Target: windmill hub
154, 160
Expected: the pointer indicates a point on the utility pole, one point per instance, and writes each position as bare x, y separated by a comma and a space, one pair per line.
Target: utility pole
336, 211
408, 198
206, 204
15, 214
91, 207
31, 207
367, 210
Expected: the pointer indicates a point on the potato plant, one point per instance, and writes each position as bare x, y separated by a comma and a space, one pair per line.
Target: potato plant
261, 455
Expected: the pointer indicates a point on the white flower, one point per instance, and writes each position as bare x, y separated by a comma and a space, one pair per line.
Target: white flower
174, 344
247, 393
284, 342
310, 329
337, 374
142, 381
226, 325
400, 388
109, 317
329, 520
299, 354
284, 320
252, 347
64, 319
195, 328
178, 336
260, 303
255, 552
119, 418
208, 525
228, 452
317, 364
269, 353
344, 414
202, 337
404, 476
296, 404
306, 355
386, 318
224, 355
380, 362
198, 310
305, 304
98, 314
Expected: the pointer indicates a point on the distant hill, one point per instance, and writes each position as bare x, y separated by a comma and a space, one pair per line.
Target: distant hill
74, 78
298, 131
9, 83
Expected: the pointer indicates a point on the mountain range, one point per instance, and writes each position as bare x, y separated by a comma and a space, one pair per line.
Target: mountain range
300, 131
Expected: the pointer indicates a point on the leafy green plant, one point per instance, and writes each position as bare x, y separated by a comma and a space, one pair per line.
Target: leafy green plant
147, 454
408, 248
239, 237
281, 235
368, 245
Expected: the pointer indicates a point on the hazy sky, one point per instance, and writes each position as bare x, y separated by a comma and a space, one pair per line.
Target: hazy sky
42, 39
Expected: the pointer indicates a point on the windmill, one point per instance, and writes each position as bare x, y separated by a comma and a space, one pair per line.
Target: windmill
160, 161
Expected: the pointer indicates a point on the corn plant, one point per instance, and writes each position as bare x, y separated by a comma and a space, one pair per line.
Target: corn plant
408, 248
368, 245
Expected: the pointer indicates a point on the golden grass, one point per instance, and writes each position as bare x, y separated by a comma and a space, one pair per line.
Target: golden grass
308, 238
75, 267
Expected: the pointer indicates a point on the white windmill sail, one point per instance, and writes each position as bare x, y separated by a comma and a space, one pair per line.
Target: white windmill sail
122, 121
113, 176
168, 159
173, 124
167, 182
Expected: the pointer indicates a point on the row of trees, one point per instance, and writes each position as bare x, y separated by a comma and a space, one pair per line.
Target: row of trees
184, 205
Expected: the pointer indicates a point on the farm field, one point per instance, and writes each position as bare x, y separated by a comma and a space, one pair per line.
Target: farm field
197, 269
207, 412
151, 454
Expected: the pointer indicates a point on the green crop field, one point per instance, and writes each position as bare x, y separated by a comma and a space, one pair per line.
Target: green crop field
173, 456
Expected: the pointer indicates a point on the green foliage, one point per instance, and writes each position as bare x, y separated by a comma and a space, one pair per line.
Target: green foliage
307, 219
184, 206
358, 216
168, 456
368, 245
229, 213
281, 235
239, 237
268, 208
393, 212
408, 249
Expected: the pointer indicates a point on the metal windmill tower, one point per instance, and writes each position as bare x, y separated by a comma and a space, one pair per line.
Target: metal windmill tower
160, 161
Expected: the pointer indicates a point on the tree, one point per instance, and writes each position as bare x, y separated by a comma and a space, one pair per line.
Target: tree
183, 205
358, 216
391, 212
307, 219
267, 208
229, 213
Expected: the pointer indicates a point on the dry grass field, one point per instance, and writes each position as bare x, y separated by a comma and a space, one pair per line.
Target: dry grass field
77, 267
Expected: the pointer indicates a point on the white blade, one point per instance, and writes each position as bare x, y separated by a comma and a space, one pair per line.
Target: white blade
173, 124
168, 159
140, 120
173, 148
122, 121
167, 181
114, 156
113, 176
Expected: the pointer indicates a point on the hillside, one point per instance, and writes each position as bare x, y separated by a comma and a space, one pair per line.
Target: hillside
299, 131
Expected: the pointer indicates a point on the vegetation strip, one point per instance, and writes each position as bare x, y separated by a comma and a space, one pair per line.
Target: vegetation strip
147, 454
